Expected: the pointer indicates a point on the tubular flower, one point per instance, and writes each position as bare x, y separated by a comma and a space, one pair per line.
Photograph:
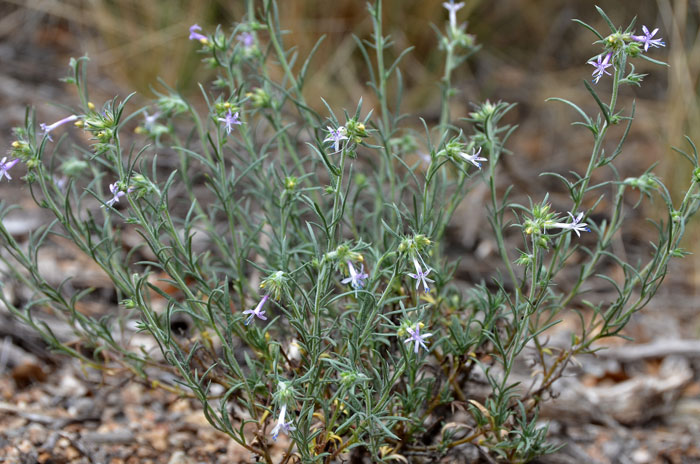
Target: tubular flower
420, 276
117, 193
453, 7
356, 279
474, 158
600, 66
5, 166
576, 225
336, 136
417, 338
246, 39
47, 129
257, 312
648, 40
229, 120
149, 120
286, 427
194, 35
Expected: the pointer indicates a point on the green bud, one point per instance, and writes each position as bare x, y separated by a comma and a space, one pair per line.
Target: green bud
634, 49
530, 227
696, 175
348, 378
525, 259
260, 98
290, 183
415, 244
483, 112
356, 131
285, 393
404, 144
30, 178
275, 284
73, 167
172, 104
128, 303
615, 41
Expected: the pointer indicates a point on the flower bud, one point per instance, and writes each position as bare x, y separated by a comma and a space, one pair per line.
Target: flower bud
128, 303
73, 167
260, 98
696, 175
275, 284
290, 183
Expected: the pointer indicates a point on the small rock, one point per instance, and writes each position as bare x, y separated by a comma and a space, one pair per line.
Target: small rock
179, 457
82, 407
72, 453
641, 456
25, 446
158, 438
71, 387
36, 433
179, 439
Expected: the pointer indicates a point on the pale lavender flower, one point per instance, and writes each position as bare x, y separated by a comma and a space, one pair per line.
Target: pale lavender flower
47, 129
601, 64
453, 7
230, 120
576, 225
286, 427
336, 136
194, 35
356, 279
116, 194
648, 40
473, 158
420, 276
150, 119
6, 166
257, 312
417, 338
247, 39
60, 182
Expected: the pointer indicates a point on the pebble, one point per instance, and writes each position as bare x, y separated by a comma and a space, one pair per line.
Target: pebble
81, 407
72, 453
179, 457
641, 456
37, 434
25, 446
71, 387
63, 442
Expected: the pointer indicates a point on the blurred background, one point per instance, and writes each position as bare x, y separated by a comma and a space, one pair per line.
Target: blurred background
531, 51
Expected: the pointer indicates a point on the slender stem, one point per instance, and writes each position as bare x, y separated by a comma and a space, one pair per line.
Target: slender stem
446, 88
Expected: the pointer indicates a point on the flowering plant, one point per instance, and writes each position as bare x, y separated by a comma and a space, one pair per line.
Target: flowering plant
333, 229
